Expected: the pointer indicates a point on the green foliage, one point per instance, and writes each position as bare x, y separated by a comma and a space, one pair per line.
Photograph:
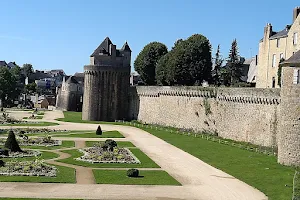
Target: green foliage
296, 186
2, 109
133, 173
147, 59
27, 69
11, 142
7, 86
99, 131
234, 63
188, 63
279, 71
217, 69
31, 88
206, 106
2, 163
109, 144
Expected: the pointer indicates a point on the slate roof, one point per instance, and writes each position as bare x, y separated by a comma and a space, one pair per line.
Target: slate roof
11, 65
3, 64
294, 59
280, 34
103, 47
72, 80
126, 47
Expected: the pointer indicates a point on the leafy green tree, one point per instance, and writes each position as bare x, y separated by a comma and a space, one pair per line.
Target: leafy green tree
27, 69
217, 69
188, 63
147, 59
20, 78
31, 88
11, 142
7, 85
234, 63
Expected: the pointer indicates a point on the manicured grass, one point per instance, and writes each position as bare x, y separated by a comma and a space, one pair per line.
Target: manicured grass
37, 117
146, 162
65, 144
146, 178
33, 199
257, 170
45, 156
32, 124
64, 175
107, 134
120, 144
77, 117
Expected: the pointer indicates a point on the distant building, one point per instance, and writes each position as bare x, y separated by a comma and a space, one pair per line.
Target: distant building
3, 64
135, 79
274, 47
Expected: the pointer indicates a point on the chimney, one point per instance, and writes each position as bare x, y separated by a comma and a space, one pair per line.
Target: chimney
268, 31
296, 13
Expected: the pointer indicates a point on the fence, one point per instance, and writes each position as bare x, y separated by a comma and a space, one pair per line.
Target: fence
271, 151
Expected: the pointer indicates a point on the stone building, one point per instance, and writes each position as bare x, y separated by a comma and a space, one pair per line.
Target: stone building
276, 46
106, 83
69, 95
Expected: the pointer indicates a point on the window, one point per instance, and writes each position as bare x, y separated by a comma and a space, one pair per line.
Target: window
295, 38
273, 82
274, 60
278, 42
281, 56
296, 79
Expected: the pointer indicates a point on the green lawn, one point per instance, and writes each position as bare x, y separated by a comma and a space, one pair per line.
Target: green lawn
65, 144
258, 170
146, 178
64, 175
146, 162
120, 144
33, 199
106, 134
45, 156
76, 117
32, 124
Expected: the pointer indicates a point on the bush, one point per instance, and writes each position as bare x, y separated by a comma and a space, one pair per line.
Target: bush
4, 152
2, 163
111, 143
99, 131
2, 109
133, 173
11, 142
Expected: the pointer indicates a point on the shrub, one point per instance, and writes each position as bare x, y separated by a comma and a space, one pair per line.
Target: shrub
2, 163
4, 152
111, 143
2, 109
11, 142
133, 173
99, 131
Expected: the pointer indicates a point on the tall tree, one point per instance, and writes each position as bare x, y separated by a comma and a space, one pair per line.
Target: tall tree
234, 63
217, 69
27, 69
147, 59
7, 85
188, 63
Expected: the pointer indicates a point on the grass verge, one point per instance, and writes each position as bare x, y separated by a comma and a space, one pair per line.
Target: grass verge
46, 155
107, 134
258, 170
146, 178
32, 124
146, 162
65, 144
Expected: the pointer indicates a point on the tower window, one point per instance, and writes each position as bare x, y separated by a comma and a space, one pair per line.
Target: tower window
278, 42
296, 78
274, 60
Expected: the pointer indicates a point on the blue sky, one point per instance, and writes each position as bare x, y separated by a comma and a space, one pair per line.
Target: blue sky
61, 34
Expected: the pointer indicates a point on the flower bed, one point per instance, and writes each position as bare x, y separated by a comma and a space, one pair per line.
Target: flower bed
35, 142
24, 153
27, 168
99, 155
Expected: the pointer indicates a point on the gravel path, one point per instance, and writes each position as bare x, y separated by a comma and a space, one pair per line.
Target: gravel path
199, 180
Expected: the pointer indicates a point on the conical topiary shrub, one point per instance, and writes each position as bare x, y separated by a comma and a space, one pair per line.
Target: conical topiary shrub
11, 143
99, 131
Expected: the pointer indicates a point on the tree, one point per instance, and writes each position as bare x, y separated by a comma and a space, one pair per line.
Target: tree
99, 131
30, 88
147, 59
11, 143
27, 69
188, 63
217, 70
7, 85
234, 63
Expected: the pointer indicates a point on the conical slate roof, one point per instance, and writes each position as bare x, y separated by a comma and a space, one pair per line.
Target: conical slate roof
103, 47
71, 80
126, 47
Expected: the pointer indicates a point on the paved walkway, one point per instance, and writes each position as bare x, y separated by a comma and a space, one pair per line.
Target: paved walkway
199, 180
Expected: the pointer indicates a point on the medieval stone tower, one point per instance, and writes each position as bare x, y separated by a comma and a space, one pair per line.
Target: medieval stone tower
107, 83
289, 133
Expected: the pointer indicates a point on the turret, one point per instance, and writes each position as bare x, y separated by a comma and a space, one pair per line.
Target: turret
127, 54
296, 13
